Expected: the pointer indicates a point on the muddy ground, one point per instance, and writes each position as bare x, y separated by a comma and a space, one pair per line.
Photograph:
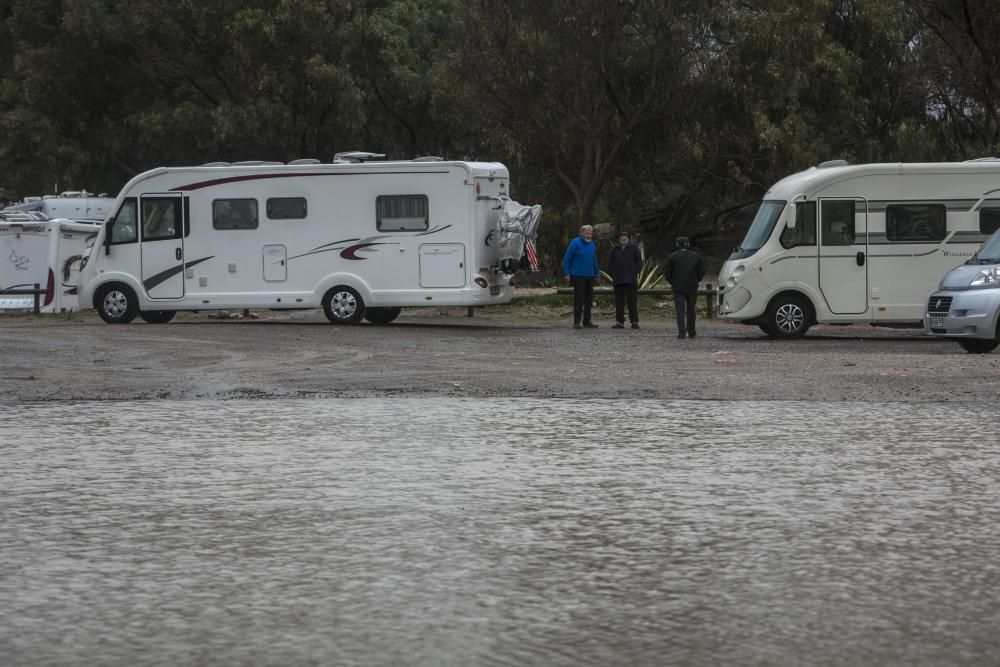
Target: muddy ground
516, 350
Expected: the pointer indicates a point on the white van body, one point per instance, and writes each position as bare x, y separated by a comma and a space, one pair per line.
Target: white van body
358, 239
843, 244
43, 252
74, 205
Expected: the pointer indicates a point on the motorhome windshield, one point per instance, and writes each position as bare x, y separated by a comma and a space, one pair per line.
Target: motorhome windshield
761, 228
989, 252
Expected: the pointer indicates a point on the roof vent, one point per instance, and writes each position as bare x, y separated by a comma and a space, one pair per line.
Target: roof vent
984, 159
216, 164
429, 158
305, 160
255, 163
356, 157
832, 163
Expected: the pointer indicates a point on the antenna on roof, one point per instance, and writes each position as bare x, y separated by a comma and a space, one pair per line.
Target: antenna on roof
356, 157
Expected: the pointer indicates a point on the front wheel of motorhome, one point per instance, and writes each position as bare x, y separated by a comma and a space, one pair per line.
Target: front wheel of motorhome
382, 315
788, 317
157, 316
116, 303
343, 305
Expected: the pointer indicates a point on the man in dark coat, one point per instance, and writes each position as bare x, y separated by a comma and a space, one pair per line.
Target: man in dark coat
624, 267
684, 270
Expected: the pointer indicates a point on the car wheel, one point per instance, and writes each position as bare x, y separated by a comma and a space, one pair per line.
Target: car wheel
788, 317
157, 316
116, 303
382, 315
979, 345
343, 305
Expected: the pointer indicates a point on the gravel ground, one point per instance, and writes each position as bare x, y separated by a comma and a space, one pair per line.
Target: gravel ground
516, 350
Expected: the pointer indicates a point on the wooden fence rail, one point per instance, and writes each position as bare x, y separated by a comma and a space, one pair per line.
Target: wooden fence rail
37, 292
710, 293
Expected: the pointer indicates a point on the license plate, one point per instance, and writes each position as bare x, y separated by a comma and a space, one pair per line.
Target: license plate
937, 322
494, 290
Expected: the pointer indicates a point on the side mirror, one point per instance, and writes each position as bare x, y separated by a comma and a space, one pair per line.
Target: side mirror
107, 238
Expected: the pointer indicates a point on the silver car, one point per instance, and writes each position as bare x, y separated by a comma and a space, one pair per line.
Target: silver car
966, 305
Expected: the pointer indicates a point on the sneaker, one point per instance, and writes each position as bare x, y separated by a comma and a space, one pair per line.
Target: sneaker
590, 325
577, 325
681, 336
635, 325
691, 335
619, 325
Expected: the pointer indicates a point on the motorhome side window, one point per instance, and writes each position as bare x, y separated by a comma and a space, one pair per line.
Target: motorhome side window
804, 232
838, 222
124, 228
989, 220
915, 222
234, 214
286, 208
401, 213
161, 218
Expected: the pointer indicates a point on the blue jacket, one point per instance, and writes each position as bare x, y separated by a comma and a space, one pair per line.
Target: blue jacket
581, 259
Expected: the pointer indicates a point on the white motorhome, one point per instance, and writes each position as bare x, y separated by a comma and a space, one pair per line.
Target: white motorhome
34, 250
358, 238
74, 205
843, 244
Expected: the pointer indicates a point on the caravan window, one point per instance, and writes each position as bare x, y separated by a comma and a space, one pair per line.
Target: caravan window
401, 213
286, 208
234, 214
915, 222
161, 218
989, 220
804, 232
124, 228
838, 222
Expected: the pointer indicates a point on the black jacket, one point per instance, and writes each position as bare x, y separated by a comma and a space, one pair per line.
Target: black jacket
684, 270
624, 264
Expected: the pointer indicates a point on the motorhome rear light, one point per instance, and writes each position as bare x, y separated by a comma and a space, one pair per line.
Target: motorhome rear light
478, 189
50, 288
512, 281
482, 282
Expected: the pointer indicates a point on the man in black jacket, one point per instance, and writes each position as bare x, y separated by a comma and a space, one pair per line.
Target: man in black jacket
624, 267
684, 271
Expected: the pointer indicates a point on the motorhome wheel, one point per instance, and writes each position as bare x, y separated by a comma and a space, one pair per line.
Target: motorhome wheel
116, 303
343, 305
157, 316
382, 315
788, 317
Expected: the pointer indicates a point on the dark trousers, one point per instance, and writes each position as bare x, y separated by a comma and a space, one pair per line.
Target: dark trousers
684, 305
583, 297
626, 293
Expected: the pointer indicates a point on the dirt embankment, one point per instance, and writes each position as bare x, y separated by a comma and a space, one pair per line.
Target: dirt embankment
517, 350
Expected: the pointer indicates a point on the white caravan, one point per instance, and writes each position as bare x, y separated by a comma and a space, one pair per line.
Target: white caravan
359, 239
866, 243
34, 250
75, 205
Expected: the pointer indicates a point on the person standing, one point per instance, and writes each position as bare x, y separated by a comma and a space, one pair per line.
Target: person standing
684, 271
624, 266
580, 269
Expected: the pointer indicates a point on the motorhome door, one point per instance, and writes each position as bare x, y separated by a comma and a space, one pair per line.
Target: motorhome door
161, 221
843, 254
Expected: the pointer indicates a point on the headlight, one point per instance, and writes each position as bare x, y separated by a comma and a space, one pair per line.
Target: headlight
986, 278
735, 276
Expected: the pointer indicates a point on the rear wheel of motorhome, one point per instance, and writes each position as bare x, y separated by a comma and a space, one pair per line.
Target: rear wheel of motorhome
157, 316
787, 316
116, 303
382, 315
343, 305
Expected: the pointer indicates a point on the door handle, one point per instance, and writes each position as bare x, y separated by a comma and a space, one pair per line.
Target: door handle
861, 259
177, 254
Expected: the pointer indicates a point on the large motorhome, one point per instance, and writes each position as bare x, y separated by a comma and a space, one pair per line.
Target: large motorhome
357, 237
843, 244
47, 253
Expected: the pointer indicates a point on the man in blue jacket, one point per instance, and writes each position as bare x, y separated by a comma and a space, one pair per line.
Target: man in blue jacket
581, 270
